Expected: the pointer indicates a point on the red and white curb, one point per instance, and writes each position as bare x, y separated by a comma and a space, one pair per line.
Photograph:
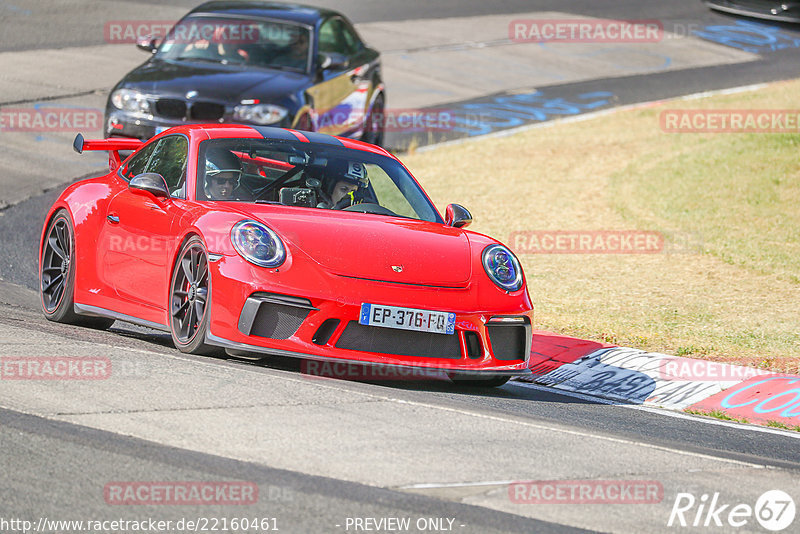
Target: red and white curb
632, 376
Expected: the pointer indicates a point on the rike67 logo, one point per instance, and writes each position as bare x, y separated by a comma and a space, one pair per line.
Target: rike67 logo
774, 510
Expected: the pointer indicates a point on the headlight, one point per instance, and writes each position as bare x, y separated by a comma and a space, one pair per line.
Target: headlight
502, 267
130, 100
258, 244
259, 113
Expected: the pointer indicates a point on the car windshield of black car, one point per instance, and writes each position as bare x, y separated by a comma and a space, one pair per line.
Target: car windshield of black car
242, 41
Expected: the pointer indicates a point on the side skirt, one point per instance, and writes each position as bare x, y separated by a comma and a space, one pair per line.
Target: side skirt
94, 311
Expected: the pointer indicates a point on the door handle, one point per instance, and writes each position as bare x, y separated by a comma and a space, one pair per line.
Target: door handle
113, 219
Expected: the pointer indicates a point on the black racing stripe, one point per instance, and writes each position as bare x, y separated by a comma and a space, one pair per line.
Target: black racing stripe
279, 134
322, 139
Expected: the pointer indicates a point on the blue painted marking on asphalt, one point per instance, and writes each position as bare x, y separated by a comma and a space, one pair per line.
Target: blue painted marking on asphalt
15, 9
753, 37
510, 111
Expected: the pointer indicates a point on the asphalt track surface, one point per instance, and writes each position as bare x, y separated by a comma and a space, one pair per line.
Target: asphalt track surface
51, 466
52, 24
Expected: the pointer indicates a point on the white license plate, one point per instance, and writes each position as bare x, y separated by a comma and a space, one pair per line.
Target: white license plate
407, 318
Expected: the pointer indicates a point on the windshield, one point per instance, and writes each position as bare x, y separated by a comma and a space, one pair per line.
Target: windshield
231, 40
309, 175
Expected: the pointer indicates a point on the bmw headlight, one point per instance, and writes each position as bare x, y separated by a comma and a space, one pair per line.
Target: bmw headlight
502, 267
258, 244
130, 100
259, 113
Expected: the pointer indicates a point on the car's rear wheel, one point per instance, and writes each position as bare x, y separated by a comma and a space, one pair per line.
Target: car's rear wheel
491, 382
374, 125
57, 275
190, 299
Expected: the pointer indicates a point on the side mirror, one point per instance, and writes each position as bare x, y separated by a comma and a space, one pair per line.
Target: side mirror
332, 61
457, 216
148, 43
150, 182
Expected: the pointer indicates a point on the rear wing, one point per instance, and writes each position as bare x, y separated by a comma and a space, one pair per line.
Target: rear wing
112, 144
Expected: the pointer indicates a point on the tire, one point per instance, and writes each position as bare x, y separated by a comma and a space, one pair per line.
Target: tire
190, 300
492, 382
374, 125
57, 275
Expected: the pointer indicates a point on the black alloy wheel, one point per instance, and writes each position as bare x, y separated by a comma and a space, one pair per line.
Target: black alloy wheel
190, 299
57, 275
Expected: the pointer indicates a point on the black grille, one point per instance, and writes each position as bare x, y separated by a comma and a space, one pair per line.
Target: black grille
206, 111
360, 337
509, 342
273, 316
171, 108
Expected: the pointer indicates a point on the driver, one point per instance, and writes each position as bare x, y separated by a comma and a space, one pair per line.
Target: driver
345, 179
223, 174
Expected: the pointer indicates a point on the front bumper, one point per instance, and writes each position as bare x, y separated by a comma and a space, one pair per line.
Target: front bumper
290, 321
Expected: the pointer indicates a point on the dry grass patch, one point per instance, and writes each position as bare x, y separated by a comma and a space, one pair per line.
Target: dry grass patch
730, 295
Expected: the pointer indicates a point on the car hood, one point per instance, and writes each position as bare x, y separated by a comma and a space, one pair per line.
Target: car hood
224, 83
376, 247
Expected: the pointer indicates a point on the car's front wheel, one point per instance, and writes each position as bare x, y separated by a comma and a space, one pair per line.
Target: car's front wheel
190, 299
57, 275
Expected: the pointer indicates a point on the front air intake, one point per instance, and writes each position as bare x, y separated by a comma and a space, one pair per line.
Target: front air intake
273, 316
510, 337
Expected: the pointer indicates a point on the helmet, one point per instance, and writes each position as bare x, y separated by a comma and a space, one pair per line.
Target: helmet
219, 161
353, 172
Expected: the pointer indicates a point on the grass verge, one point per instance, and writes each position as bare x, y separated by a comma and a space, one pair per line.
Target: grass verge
727, 285
718, 414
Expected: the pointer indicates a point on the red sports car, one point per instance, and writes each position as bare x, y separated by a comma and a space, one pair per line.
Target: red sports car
287, 243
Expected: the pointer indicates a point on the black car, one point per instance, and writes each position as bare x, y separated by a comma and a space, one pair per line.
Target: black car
254, 63
763, 9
